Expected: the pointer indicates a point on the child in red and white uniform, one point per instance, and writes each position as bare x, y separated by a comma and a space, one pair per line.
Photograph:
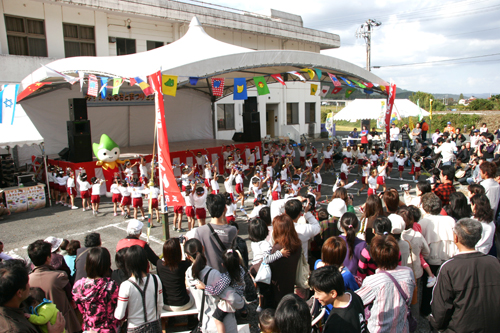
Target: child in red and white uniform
256, 186
296, 185
344, 169
116, 196
239, 187
214, 184
302, 155
61, 180
327, 156
208, 173
200, 160
365, 173
185, 177
417, 163
225, 156
51, 175
71, 189
153, 193
230, 209
390, 163
401, 164
317, 179
372, 182
85, 187
257, 153
381, 170
143, 171
188, 199
265, 159
178, 212
354, 153
284, 173
276, 189
136, 191
228, 184
361, 160
374, 158
199, 201
314, 155
308, 167
237, 155
96, 194
251, 161
283, 151
126, 199
348, 155
129, 172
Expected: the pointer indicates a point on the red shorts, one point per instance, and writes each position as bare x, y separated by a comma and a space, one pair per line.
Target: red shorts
232, 196
71, 191
328, 160
116, 198
315, 160
230, 219
401, 167
302, 159
126, 201
372, 191
207, 182
228, 171
61, 188
363, 180
381, 180
343, 176
389, 164
201, 213
318, 188
178, 209
417, 169
96, 199
143, 180
215, 191
85, 194
190, 211
276, 195
360, 161
374, 164
154, 203
137, 202
251, 165
51, 185
239, 188
349, 160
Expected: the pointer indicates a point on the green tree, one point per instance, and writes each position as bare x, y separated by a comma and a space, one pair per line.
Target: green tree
423, 98
481, 104
461, 96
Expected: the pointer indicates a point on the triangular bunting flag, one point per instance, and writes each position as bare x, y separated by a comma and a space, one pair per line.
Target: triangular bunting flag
314, 89
278, 78
348, 82
368, 91
52, 72
362, 86
336, 90
382, 88
367, 84
308, 71
92, 86
217, 86
334, 79
146, 88
297, 74
117, 83
240, 89
132, 81
81, 75
104, 84
169, 84
319, 73
348, 92
261, 85
324, 90
30, 89
193, 80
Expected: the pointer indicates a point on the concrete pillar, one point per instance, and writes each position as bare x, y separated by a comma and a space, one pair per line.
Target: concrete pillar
101, 34
54, 30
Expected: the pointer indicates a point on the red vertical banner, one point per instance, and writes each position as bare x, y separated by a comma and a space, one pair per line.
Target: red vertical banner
391, 95
171, 191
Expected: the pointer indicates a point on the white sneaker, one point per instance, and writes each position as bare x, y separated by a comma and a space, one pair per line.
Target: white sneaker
74, 207
83, 209
416, 181
114, 214
142, 218
400, 178
431, 281
388, 177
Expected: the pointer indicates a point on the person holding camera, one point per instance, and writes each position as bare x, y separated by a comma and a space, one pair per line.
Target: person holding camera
446, 150
486, 146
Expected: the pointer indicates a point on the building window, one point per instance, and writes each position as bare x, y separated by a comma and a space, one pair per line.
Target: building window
292, 113
225, 117
26, 36
150, 44
125, 46
310, 113
79, 40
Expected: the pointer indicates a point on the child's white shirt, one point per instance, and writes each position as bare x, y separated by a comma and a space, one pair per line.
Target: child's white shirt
188, 199
185, 179
372, 182
344, 168
231, 208
84, 185
214, 185
128, 172
401, 161
70, 182
265, 159
114, 189
302, 153
392, 158
284, 174
277, 186
347, 154
228, 184
143, 169
381, 171
317, 178
208, 173
361, 155
124, 190
96, 189
239, 179
136, 191
365, 171
374, 157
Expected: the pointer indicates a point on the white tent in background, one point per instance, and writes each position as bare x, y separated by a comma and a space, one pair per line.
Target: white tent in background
21, 132
372, 108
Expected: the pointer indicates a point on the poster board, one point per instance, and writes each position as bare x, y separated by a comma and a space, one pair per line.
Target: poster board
23, 199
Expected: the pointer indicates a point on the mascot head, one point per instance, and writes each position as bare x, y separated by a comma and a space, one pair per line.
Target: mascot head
107, 150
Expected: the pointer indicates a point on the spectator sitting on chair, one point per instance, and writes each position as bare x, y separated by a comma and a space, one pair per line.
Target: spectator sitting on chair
134, 231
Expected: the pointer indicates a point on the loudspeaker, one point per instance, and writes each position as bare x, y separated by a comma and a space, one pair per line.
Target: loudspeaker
77, 109
79, 141
64, 154
239, 137
251, 126
250, 105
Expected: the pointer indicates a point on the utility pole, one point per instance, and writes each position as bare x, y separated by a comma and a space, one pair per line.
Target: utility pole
365, 31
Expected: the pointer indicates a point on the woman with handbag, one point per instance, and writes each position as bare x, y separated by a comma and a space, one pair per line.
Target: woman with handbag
284, 271
389, 291
207, 304
141, 295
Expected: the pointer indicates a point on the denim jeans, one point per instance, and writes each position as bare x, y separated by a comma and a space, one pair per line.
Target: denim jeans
406, 144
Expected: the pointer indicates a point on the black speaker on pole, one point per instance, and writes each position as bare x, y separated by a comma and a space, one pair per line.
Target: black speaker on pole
250, 105
79, 141
77, 109
239, 137
251, 126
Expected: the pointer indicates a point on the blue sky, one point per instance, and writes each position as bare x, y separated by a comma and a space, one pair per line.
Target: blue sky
411, 32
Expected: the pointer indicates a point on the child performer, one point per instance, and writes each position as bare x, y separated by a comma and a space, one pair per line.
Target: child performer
355, 153
348, 154
308, 169
372, 182
361, 160
84, 190
129, 173
116, 196
71, 189
185, 177
199, 201
302, 155
51, 177
318, 180
401, 164
374, 158
61, 180
239, 187
136, 191
96, 194
200, 160
390, 163
381, 170
417, 162
365, 173
144, 171
344, 169
188, 199
178, 212
214, 184
126, 199
228, 183
327, 156
225, 156
276, 189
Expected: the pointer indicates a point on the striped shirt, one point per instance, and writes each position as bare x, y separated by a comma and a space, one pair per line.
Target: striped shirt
388, 313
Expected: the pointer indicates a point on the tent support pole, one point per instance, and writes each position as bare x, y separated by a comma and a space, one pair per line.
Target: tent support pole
212, 100
46, 173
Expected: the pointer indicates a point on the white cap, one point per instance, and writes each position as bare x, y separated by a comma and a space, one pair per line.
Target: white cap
398, 225
134, 226
55, 242
337, 207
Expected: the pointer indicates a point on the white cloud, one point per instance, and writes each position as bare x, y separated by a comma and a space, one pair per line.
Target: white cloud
411, 32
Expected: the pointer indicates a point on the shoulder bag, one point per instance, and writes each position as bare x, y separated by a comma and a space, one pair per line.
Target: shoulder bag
197, 329
411, 321
302, 274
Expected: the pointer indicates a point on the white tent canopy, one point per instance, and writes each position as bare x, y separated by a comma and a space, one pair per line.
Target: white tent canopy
372, 108
21, 132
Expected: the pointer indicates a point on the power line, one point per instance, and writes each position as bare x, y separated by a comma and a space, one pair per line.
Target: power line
438, 61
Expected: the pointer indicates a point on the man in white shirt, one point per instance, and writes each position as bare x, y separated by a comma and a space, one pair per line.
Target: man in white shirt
488, 171
446, 149
394, 134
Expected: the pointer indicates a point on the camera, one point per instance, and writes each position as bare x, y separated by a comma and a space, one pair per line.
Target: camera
431, 180
404, 187
350, 196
